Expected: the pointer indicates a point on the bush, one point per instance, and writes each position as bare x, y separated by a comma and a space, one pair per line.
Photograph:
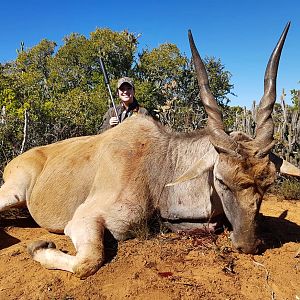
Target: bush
287, 188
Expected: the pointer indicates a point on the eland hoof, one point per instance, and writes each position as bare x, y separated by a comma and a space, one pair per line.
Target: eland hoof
40, 244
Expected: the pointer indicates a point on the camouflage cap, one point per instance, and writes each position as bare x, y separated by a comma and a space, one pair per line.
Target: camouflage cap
125, 80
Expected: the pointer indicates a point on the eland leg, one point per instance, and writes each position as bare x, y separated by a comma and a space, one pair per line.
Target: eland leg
86, 234
12, 194
19, 178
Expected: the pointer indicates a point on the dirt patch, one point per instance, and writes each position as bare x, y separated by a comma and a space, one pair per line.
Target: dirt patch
170, 266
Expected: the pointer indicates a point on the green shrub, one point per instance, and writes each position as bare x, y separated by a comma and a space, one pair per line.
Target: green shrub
287, 188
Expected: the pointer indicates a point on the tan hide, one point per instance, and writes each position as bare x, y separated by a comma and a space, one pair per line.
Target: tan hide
202, 165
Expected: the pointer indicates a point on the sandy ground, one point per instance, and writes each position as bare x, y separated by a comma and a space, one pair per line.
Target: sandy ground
169, 266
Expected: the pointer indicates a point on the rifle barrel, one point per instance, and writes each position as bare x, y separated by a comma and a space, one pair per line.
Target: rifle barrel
106, 80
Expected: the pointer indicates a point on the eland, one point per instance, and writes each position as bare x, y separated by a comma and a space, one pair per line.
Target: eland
84, 185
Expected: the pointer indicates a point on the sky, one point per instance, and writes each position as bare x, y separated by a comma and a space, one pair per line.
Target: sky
241, 33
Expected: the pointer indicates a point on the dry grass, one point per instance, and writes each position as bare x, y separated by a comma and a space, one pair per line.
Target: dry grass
147, 228
287, 188
15, 213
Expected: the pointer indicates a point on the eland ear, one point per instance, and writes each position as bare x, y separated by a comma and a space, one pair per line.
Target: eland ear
283, 166
201, 166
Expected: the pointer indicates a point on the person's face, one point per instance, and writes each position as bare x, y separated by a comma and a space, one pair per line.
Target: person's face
126, 93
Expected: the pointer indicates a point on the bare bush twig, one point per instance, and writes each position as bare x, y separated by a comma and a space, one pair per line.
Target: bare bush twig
267, 278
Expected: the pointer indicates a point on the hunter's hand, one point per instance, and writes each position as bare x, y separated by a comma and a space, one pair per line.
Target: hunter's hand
113, 121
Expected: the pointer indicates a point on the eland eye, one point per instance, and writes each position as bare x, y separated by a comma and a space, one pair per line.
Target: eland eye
221, 182
223, 185
246, 185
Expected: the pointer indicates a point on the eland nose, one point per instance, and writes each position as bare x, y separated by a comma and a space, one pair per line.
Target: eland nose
250, 248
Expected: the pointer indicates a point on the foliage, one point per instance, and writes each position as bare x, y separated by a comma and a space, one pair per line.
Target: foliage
117, 49
161, 69
229, 116
219, 80
287, 187
296, 98
174, 86
62, 92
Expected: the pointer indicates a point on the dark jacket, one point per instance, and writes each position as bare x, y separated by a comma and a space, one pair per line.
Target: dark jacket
134, 108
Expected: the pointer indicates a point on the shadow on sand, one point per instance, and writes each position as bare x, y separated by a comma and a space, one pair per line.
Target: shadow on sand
21, 218
14, 218
276, 231
6, 240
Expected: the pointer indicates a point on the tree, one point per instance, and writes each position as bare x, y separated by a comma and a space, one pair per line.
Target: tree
296, 98
117, 49
219, 80
62, 93
160, 70
173, 86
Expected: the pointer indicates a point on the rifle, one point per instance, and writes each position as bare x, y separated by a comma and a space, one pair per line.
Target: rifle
106, 80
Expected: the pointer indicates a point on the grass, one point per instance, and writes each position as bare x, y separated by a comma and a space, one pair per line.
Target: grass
287, 188
147, 228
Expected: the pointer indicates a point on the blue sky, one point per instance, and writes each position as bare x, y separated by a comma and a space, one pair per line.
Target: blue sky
241, 33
